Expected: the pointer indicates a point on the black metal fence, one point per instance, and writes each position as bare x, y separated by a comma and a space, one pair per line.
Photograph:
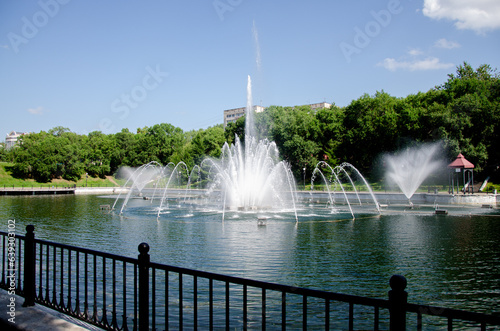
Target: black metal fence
121, 293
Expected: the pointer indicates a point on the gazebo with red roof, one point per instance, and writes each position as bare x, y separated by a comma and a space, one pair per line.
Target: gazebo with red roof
461, 163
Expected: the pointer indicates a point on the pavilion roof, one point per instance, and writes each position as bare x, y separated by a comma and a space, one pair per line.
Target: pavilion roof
461, 162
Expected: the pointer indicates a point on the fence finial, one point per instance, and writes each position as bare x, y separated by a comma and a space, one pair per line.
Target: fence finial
398, 298
143, 248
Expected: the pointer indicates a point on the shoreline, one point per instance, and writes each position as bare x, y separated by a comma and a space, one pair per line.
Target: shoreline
382, 197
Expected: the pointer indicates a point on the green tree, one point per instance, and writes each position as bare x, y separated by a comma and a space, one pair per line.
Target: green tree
295, 131
98, 150
469, 114
207, 142
124, 150
371, 128
331, 133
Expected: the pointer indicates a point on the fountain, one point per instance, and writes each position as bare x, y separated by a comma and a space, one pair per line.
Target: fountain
409, 168
247, 178
343, 177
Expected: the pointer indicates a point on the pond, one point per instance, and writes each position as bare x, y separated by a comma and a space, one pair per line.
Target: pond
451, 261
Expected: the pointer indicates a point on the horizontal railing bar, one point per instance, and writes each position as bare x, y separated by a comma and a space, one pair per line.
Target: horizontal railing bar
453, 313
88, 251
382, 303
79, 249
20, 236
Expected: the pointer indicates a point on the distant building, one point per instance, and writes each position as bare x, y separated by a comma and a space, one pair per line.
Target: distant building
320, 105
11, 139
231, 115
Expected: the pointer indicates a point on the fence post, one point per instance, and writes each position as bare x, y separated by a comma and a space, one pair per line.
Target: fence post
29, 267
143, 264
398, 299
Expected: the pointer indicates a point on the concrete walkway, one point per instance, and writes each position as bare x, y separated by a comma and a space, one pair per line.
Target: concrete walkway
36, 318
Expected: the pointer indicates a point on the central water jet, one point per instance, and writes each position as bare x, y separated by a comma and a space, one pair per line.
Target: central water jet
252, 177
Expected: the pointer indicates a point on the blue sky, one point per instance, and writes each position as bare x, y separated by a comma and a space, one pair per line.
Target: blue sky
107, 65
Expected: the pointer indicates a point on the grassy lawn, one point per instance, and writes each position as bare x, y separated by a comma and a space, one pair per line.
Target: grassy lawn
6, 180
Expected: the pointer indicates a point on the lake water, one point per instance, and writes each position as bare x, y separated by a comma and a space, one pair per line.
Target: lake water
451, 261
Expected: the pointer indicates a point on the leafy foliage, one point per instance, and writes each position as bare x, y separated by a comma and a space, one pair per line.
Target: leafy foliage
463, 113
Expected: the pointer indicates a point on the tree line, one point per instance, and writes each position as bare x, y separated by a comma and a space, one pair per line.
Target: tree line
463, 114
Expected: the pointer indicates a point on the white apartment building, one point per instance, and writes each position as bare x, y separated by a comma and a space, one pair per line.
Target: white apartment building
231, 115
319, 105
11, 139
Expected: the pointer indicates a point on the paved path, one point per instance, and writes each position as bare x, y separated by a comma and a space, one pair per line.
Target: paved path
37, 318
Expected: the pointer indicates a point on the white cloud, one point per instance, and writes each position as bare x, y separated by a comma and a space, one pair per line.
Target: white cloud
4, 46
415, 52
477, 15
443, 43
431, 63
36, 111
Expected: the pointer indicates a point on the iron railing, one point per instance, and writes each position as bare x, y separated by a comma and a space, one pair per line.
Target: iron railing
120, 293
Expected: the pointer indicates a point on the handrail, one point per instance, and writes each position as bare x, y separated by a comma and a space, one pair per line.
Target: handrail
274, 286
102, 288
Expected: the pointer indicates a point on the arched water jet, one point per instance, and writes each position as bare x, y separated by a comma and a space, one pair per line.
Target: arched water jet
368, 187
138, 179
336, 180
174, 173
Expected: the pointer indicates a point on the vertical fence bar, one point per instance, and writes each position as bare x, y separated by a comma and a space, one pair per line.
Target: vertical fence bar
114, 321
40, 279
211, 303
153, 299
327, 314
283, 310
86, 295
136, 299
124, 278
304, 312
29, 267
54, 276
245, 308
166, 299
69, 280
263, 309
181, 304
351, 316
47, 275
94, 317
195, 303
227, 306
77, 300
398, 298
19, 249
61, 289
104, 304
143, 262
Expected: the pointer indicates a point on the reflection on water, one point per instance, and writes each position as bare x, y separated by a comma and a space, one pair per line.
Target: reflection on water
451, 261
